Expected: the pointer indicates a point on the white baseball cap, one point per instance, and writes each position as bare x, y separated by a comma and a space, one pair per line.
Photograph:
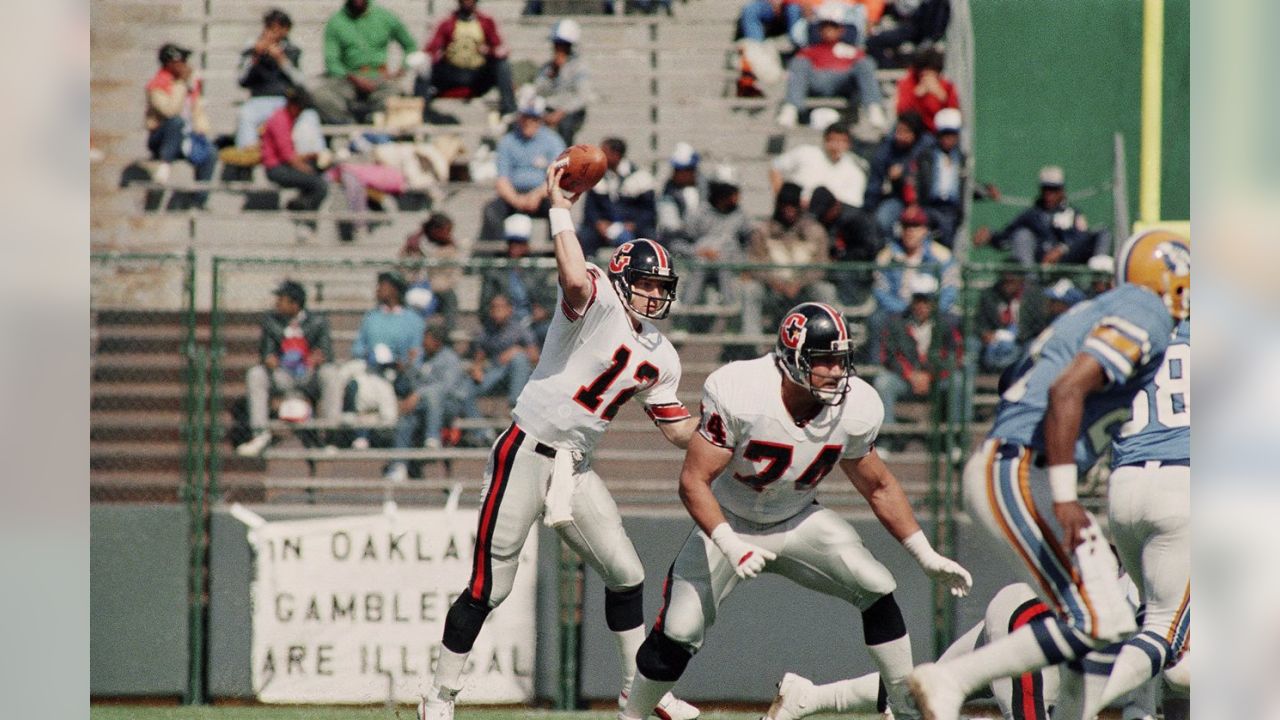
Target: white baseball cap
1052, 176
517, 227
823, 117
831, 12
566, 31
1103, 264
923, 284
947, 119
684, 156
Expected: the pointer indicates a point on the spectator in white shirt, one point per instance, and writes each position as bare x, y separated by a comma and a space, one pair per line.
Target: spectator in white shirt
832, 166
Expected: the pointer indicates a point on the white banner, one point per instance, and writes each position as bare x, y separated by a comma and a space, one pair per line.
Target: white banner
350, 610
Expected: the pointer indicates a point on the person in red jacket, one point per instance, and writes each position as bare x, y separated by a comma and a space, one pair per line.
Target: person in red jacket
467, 51
831, 67
924, 90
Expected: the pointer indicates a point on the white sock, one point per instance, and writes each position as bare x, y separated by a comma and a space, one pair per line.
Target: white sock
894, 660
1132, 668
629, 642
644, 697
856, 695
449, 668
1011, 655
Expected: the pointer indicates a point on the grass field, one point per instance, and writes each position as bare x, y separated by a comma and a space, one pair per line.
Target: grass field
230, 712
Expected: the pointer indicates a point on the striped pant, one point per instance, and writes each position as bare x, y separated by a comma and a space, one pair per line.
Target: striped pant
1009, 495
516, 480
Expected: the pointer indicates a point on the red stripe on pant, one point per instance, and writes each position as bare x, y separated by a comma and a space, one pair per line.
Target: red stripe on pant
1028, 688
504, 455
666, 599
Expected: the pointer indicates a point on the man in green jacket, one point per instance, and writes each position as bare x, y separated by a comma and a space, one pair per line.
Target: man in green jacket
356, 79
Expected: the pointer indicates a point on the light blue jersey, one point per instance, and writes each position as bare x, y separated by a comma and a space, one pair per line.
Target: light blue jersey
1126, 330
1161, 425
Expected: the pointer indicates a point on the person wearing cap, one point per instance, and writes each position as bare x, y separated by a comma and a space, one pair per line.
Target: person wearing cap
175, 118
682, 195
285, 165
717, 231
1103, 278
853, 238
831, 67
889, 186
564, 82
528, 288
833, 166
523, 156
1001, 330
390, 324
940, 178
1052, 231
918, 23
357, 80
923, 351
295, 354
269, 67
434, 243
788, 238
467, 52
924, 90
622, 206
908, 255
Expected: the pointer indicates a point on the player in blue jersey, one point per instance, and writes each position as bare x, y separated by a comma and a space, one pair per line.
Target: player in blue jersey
1066, 400
1150, 512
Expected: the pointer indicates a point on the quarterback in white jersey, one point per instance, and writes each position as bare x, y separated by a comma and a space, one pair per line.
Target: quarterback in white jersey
601, 350
771, 430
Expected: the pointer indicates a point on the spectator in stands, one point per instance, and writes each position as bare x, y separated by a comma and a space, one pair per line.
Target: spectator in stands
295, 357
357, 81
889, 189
1104, 277
506, 352
268, 68
437, 393
526, 288
1051, 231
924, 90
853, 238
831, 67
998, 321
286, 166
924, 352
1043, 306
434, 242
622, 206
523, 156
177, 127
759, 61
832, 166
390, 324
718, 231
682, 195
790, 237
855, 18
940, 177
917, 22
912, 254
467, 52
564, 82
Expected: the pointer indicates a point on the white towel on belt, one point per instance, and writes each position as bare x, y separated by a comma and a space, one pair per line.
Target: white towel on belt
559, 502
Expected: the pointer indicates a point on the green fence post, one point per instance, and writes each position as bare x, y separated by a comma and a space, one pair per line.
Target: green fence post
571, 577
197, 516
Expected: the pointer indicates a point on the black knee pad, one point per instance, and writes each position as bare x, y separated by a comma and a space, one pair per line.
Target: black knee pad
661, 658
463, 623
883, 621
624, 609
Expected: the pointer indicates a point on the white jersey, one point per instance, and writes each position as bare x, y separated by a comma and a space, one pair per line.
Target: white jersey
591, 364
777, 465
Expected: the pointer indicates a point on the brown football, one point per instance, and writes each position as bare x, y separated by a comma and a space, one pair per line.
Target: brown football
586, 166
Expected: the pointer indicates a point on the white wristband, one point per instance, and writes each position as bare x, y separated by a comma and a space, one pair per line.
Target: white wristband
561, 220
1062, 482
917, 544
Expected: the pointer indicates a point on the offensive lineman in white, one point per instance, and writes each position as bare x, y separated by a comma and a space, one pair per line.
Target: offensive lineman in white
771, 429
600, 351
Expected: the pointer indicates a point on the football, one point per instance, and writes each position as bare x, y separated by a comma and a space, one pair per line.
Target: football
586, 166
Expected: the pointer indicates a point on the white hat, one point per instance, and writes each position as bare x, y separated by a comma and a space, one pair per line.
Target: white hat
823, 117
832, 12
535, 106
923, 284
1052, 176
1103, 264
724, 174
684, 156
416, 60
947, 119
518, 227
566, 31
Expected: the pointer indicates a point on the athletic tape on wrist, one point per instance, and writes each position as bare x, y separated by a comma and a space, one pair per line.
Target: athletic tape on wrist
560, 219
1062, 482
